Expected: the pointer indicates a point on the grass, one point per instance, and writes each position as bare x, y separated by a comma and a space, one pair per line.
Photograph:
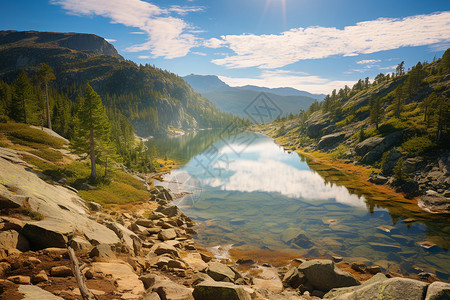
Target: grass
417, 145
114, 193
25, 135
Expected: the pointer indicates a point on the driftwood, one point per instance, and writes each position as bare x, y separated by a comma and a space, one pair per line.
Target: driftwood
76, 269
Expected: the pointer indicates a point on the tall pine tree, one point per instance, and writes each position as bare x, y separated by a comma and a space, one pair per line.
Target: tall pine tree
46, 75
92, 127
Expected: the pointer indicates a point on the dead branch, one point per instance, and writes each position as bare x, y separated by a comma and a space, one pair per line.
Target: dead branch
85, 292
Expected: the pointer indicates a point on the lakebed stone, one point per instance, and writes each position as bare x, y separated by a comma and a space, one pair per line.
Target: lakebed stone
220, 272
220, 291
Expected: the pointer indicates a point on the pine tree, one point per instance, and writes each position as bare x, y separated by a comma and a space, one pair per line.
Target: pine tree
46, 75
92, 127
22, 93
376, 111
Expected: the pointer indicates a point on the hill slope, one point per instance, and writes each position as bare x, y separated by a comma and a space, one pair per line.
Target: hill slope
236, 99
152, 99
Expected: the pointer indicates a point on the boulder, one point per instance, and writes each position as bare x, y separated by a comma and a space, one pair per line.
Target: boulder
273, 285
323, 275
19, 279
220, 291
316, 123
169, 290
11, 239
94, 206
40, 277
10, 200
220, 272
167, 234
435, 203
122, 274
8, 223
195, 261
394, 288
61, 271
340, 291
390, 160
32, 292
145, 223
438, 291
131, 240
102, 251
293, 278
169, 211
80, 243
372, 149
163, 248
330, 140
151, 296
47, 233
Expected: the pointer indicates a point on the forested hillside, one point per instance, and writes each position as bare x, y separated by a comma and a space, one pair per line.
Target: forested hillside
139, 98
399, 124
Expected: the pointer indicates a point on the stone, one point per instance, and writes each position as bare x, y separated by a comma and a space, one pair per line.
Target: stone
330, 140
335, 292
151, 296
167, 234
169, 211
323, 275
102, 251
163, 248
47, 233
94, 206
387, 229
272, 285
372, 149
19, 279
10, 200
169, 290
40, 277
8, 223
32, 292
438, 291
435, 203
131, 240
145, 222
220, 272
293, 278
80, 243
385, 247
390, 160
12, 239
54, 252
393, 288
4, 267
122, 274
378, 179
220, 291
195, 262
61, 271
373, 269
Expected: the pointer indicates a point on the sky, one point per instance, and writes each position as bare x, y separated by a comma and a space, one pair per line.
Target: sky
311, 45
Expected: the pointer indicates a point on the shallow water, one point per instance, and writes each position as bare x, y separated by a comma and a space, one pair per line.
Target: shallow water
248, 192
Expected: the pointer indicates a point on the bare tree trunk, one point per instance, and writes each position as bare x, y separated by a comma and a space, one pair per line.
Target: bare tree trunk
85, 292
92, 154
47, 107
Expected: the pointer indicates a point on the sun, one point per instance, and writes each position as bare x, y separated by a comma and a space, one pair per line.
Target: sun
283, 9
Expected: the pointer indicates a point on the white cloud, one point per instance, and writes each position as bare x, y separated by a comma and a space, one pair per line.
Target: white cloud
368, 61
168, 36
137, 32
110, 40
282, 78
199, 53
143, 57
388, 68
184, 10
275, 51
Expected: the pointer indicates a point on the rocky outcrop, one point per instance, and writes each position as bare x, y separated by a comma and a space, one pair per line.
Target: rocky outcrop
323, 275
220, 272
316, 124
330, 140
435, 203
438, 291
372, 149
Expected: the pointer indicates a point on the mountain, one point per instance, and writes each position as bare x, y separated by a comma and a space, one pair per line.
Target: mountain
151, 98
398, 126
237, 100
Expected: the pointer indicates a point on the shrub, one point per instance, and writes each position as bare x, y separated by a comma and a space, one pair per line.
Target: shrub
25, 135
400, 173
417, 145
339, 152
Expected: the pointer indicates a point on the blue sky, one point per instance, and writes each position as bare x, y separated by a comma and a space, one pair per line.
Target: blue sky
313, 45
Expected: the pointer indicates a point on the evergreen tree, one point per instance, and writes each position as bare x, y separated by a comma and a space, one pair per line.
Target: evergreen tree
92, 127
445, 62
22, 93
46, 75
376, 111
400, 70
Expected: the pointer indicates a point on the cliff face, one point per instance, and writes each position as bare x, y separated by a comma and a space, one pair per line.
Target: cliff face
88, 43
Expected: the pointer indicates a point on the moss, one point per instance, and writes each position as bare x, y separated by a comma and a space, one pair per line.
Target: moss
25, 135
34, 215
417, 145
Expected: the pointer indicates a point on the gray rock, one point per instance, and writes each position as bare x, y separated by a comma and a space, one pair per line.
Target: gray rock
163, 248
102, 251
61, 271
167, 234
220, 291
438, 291
10, 200
340, 291
32, 292
151, 296
394, 288
293, 278
390, 161
80, 243
131, 240
316, 124
11, 239
220, 272
94, 206
145, 222
330, 140
169, 290
47, 234
169, 211
323, 275
435, 203
373, 148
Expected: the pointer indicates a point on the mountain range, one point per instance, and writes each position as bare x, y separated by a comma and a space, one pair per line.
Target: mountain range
236, 100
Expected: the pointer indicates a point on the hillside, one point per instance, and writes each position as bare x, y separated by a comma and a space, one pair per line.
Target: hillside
398, 126
235, 99
151, 98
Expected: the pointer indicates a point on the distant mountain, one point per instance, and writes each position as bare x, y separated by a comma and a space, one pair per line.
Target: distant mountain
235, 100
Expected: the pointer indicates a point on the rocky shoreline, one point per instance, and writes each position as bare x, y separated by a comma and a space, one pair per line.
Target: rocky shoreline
147, 251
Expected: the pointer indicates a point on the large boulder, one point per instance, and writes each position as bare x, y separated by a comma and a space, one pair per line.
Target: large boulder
330, 140
372, 149
438, 291
122, 274
47, 234
169, 211
131, 240
323, 275
195, 261
394, 288
316, 123
169, 290
220, 272
32, 292
344, 290
12, 239
434, 202
10, 200
220, 291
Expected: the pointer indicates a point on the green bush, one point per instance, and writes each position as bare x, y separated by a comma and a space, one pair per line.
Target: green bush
25, 135
417, 145
400, 173
339, 152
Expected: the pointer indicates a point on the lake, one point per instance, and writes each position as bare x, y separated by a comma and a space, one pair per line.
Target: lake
247, 192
